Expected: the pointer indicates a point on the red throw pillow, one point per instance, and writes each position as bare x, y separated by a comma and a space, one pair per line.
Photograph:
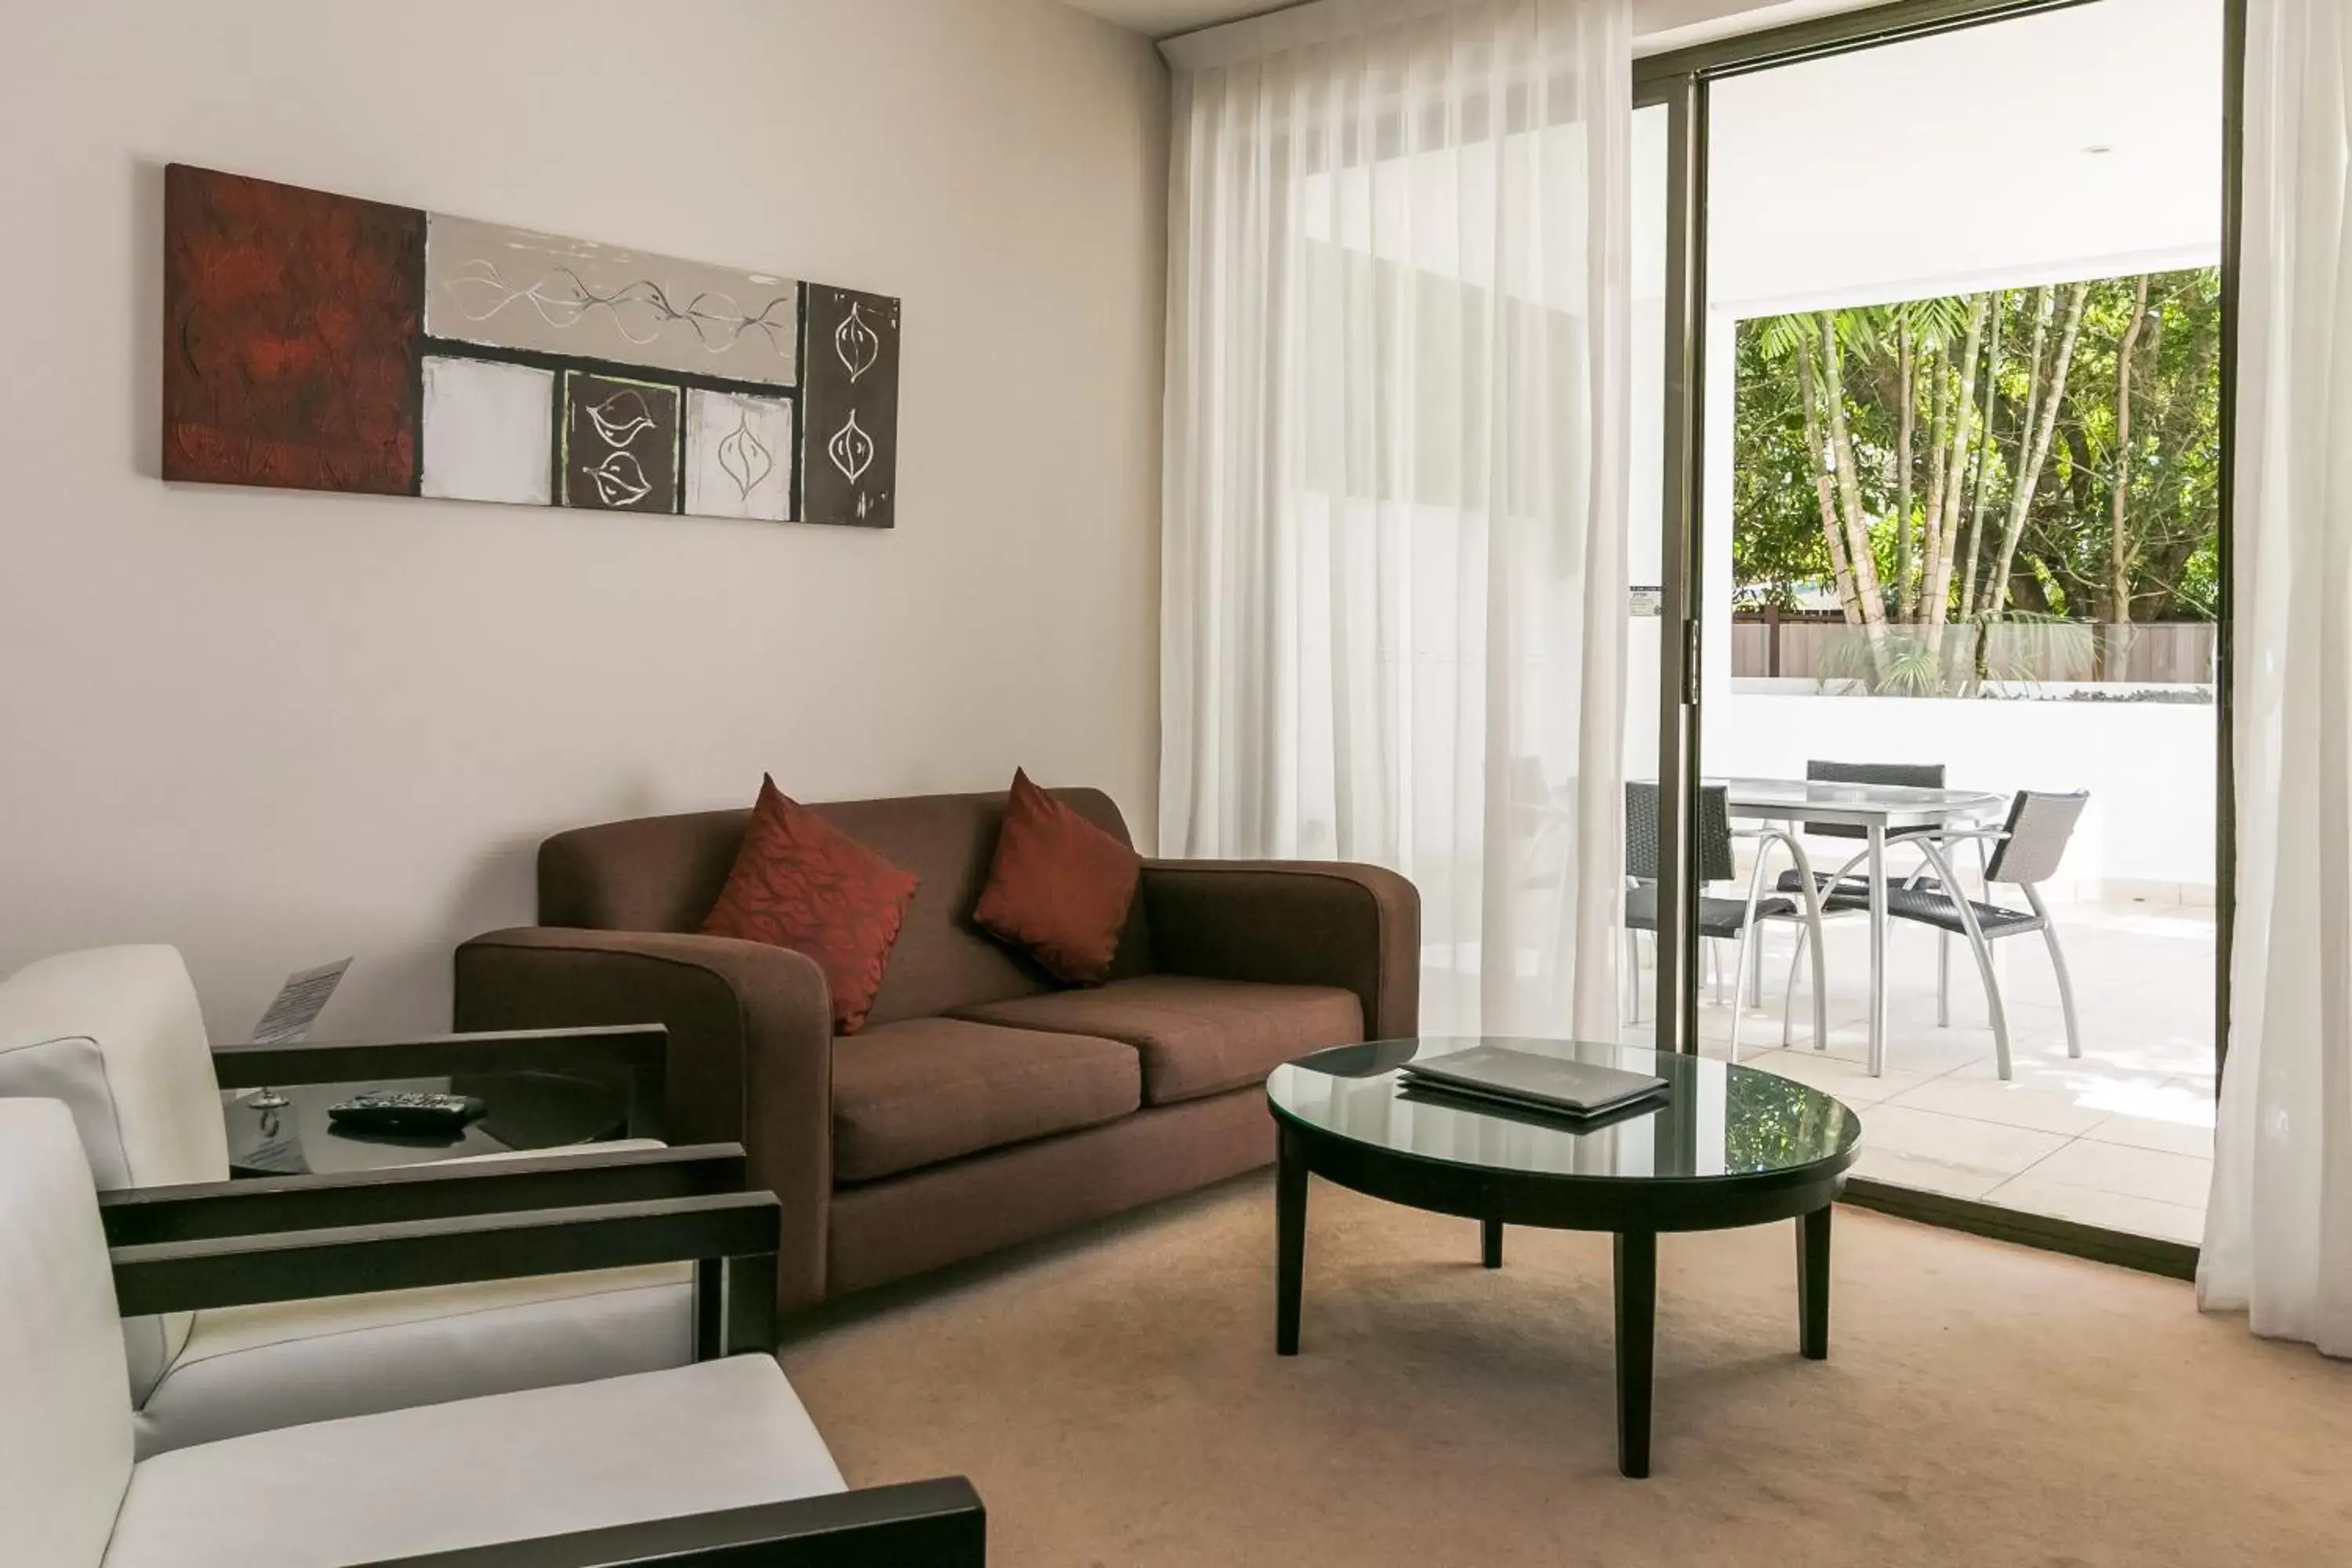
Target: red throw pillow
803, 883
1059, 888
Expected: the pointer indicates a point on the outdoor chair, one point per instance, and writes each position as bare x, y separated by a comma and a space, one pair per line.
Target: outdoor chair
2026, 850
711, 1463
1915, 776
1739, 920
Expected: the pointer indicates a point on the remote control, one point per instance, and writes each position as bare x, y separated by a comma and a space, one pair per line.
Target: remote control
404, 1111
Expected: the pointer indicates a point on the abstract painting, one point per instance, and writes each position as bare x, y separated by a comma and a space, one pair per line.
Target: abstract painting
327, 342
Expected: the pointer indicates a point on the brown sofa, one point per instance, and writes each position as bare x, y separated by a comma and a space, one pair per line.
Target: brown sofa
981, 1104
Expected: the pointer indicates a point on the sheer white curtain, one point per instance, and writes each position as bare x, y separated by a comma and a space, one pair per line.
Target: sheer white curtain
2278, 1231
1393, 597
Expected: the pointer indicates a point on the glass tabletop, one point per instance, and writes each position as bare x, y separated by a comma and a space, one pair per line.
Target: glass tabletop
522, 1111
1796, 796
1715, 1121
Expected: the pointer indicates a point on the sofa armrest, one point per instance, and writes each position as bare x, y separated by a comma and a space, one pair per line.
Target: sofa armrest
1296, 922
915, 1524
750, 1048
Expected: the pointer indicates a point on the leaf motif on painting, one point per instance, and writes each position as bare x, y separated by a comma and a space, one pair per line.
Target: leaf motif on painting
851, 450
743, 458
621, 418
857, 343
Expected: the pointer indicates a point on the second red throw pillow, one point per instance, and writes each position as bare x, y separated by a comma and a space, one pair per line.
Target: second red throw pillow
1059, 887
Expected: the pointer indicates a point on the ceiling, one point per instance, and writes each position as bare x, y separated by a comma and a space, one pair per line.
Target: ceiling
1657, 24
1999, 154
1162, 18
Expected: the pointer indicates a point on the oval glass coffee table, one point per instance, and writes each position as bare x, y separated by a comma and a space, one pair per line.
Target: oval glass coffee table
1726, 1146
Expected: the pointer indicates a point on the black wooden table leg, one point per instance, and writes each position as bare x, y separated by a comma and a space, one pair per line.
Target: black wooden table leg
1813, 1283
1490, 1243
1290, 1240
1637, 1322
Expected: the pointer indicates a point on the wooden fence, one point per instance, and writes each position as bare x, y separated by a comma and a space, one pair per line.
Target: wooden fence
1817, 648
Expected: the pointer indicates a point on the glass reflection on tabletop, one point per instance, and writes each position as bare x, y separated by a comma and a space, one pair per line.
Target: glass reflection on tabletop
1714, 1121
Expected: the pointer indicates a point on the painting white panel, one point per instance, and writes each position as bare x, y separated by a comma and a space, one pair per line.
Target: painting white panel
489, 430
512, 288
738, 455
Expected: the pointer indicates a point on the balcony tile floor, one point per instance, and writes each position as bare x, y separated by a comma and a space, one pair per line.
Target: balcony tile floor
2121, 1137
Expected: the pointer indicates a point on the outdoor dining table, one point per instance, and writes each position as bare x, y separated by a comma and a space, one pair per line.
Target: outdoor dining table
1877, 810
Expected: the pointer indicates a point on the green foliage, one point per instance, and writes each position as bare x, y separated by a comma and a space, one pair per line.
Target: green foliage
1953, 660
1776, 536
2065, 554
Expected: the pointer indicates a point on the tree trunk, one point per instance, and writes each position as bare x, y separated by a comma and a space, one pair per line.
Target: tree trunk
1816, 451
2119, 553
1939, 415
1984, 461
1906, 596
1859, 557
2031, 474
1945, 530
2044, 299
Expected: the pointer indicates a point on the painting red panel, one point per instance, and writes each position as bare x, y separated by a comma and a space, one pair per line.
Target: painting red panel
293, 325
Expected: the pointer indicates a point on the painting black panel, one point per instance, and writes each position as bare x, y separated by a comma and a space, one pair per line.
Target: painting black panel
849, 409
619, 443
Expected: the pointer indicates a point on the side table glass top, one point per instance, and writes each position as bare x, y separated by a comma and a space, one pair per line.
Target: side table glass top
523, 1111
1715, 1121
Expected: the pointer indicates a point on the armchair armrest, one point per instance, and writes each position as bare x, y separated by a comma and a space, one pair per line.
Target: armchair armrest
917, 1524
440, 1190
1300, 922
637, 1052
345, 1260
751, 1047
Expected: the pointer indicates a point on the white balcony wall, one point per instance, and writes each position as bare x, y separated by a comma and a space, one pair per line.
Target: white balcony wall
2147, 833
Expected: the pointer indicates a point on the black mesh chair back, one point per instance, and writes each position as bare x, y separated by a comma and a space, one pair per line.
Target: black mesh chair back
1919, 775
1714, 845
2039, 827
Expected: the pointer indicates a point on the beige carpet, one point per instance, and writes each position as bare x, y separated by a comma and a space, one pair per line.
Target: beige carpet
1117, 1400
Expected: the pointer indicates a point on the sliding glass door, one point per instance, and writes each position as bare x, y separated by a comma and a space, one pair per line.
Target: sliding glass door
1942, 502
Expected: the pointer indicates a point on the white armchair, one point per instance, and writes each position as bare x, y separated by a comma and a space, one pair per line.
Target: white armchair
711, 1463
117, 1034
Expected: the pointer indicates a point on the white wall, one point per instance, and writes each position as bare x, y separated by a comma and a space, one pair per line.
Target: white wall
273, 727
2147, 832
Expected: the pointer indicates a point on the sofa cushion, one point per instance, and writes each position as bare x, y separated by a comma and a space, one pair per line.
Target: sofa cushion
1195, 1036
1059, 888
478, 1472
803, 883
922, 1090
252, 1369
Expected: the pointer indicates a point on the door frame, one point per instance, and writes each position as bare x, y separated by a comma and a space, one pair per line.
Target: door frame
1679, 79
